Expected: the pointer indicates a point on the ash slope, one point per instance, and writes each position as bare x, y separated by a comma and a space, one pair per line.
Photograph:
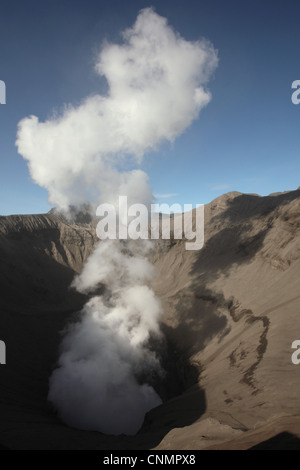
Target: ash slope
231, 312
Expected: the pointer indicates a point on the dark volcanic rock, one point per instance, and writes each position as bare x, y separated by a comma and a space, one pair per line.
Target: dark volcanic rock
231, 314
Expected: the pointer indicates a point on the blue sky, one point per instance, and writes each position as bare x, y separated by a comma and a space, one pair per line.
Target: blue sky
246, 139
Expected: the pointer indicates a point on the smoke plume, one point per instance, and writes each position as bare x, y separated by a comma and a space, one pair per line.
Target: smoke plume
156, 88
96, 385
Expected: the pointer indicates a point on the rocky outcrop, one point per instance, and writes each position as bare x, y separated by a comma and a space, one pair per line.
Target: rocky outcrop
231, 312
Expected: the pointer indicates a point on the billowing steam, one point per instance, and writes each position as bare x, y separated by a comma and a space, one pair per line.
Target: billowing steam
96, 385
156, 88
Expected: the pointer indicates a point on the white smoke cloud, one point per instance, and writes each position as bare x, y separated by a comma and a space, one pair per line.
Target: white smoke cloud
113, 265
156, 87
